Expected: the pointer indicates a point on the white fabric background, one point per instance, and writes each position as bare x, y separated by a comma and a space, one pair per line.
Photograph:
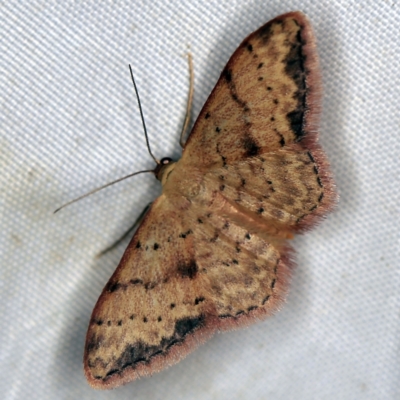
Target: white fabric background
69, 123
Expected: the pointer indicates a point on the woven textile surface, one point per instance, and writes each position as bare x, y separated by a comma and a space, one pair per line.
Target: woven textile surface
70, 123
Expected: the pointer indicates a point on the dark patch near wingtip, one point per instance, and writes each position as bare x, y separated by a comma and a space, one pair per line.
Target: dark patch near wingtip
296, 122
251, 146
295, 69
188, 270
207, 115
249, 47
93, 343
265, 33
142, 352
138, 245
185, 326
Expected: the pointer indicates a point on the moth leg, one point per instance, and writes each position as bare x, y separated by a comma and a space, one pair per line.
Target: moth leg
127, 233
190, 100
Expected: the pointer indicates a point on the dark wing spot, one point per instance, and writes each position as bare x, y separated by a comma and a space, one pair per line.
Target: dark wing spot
156, 246
247, 236
198, 300
227, 75
207, 115
172, 305
260, 210
188, 270
249, 47
260, 65
113, 286
217, 129
250, 145
136, 281
138, 245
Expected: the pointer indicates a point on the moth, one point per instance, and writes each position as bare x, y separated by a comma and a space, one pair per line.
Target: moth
212, 252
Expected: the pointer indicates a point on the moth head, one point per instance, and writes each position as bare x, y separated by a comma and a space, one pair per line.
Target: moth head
163, 169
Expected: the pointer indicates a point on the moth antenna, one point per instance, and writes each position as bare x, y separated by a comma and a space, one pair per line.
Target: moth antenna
101, 187
141, 115
190, 99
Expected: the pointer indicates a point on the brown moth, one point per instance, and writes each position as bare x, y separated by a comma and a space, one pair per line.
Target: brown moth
211, 253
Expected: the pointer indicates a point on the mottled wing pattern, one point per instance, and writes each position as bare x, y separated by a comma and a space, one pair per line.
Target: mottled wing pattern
150, 303
192, 272
212, 253
261, 121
